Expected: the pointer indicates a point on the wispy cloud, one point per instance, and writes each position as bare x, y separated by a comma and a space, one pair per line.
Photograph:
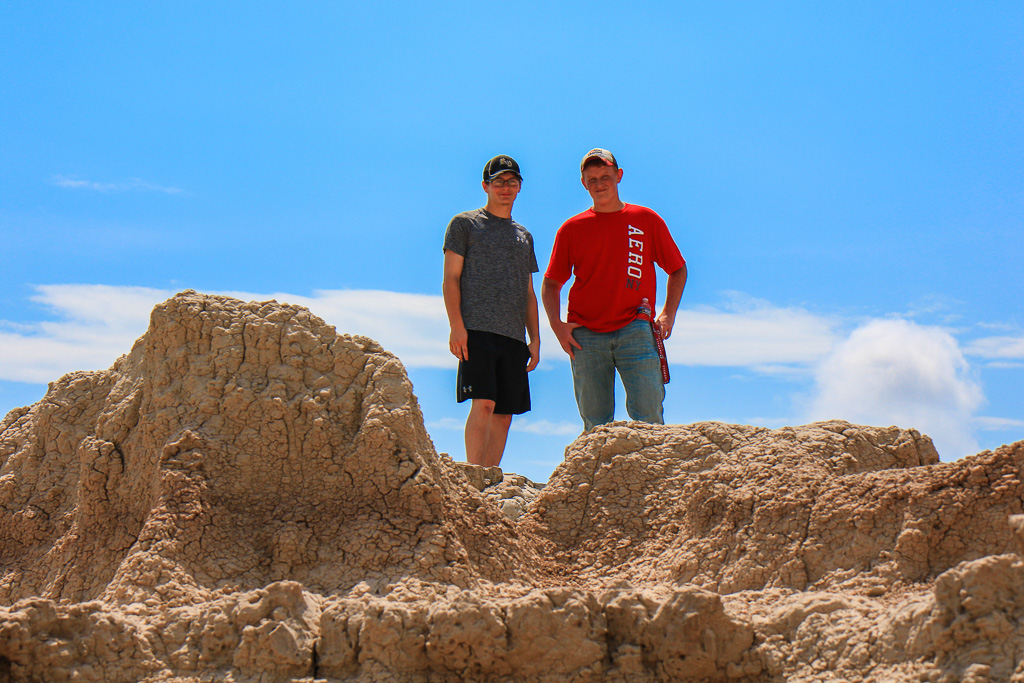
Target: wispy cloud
998, 348
412, 326
997, 424
519, 424
131, 184
899, 372
449, 423
545, 427
886, 371
96, 323
751, 333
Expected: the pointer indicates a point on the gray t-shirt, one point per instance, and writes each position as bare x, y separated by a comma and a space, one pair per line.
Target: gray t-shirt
499, 260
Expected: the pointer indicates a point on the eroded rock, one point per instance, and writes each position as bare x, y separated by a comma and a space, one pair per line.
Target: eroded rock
513, 493
250, 496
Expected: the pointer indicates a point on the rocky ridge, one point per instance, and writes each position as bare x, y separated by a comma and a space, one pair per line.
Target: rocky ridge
250, 496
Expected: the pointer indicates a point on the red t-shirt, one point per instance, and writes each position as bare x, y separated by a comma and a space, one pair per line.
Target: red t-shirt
612, 256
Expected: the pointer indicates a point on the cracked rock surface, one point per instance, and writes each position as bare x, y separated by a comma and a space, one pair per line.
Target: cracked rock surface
250, 496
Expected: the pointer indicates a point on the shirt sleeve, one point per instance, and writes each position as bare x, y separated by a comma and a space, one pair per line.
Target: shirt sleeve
456, 237
666, 253
560, 267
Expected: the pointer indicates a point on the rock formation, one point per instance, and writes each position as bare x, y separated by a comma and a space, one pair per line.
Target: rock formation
250, 496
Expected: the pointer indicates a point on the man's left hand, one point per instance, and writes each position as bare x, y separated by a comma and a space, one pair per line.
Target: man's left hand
665, 323
534, 347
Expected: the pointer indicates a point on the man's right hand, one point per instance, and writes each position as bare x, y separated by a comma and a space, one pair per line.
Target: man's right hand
458, 343
563, 331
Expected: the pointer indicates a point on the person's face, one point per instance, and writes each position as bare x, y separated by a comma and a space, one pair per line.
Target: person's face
503, 190
602, 182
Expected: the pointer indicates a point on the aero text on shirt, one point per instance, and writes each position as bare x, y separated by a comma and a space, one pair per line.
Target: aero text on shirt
634, 258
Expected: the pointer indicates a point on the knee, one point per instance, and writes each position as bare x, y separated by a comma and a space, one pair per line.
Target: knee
482, 406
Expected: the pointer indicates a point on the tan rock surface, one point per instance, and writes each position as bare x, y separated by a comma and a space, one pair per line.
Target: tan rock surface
250, 496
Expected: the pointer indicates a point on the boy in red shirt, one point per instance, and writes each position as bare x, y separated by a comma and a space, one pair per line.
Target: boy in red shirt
611, 250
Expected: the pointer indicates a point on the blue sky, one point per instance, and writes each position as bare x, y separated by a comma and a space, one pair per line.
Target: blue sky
846, 181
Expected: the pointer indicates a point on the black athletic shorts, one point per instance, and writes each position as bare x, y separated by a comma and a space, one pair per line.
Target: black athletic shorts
496, 370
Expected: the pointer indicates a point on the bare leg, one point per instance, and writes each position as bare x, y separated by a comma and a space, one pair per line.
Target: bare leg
478, 431
498, 428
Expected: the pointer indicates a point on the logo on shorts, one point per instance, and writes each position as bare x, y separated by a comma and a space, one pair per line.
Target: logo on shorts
468, 389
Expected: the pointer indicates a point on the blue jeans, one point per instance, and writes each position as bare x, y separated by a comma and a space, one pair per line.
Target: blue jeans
631, 351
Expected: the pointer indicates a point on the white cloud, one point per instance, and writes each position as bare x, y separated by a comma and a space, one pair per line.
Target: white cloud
898, 372
997, 424
753, 333
116, 308
449, 423
95, 325
133, 184
412, 326
546, 427
885, 372
519, 424
998, 348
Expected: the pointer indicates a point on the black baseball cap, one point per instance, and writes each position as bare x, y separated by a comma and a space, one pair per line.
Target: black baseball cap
598, 153
501, 164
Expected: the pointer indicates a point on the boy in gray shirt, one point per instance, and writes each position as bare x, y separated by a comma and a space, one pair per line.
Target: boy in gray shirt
489, 263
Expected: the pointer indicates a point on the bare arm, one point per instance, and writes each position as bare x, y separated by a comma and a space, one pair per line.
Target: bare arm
673, 293
550, 294
451, 288
532, 327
